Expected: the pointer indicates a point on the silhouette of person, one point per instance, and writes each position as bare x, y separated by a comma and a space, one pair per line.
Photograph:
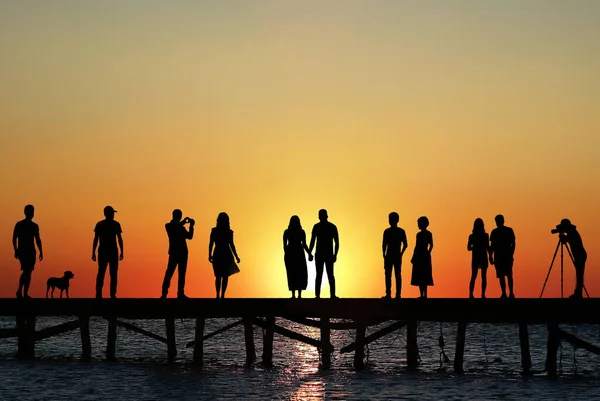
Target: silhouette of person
479, 246
422, 272
294, 246
221, 239
325, 234
178, 252
502, 250
578, 252
26, 236
394, 244
107, 233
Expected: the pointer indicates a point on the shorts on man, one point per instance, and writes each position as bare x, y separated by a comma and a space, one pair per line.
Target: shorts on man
504, 267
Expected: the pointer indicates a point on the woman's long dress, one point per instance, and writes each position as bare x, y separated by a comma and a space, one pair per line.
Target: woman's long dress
422, 274
295, 260
222, 255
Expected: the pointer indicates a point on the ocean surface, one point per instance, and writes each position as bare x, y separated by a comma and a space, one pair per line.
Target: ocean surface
492, 366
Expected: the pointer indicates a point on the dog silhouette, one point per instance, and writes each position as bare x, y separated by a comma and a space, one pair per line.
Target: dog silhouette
62, 283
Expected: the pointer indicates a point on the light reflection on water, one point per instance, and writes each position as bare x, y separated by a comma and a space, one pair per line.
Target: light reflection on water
492, 363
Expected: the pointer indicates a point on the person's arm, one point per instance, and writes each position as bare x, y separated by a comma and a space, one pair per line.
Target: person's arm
430, 242
336, 239
232, 246
38, 242
492, 248
404, 243
14, 241
120, 239
304, 242
190, 234
384, 243
470, 243
284, 240
94, 246
211, 244
514, 242
313, 238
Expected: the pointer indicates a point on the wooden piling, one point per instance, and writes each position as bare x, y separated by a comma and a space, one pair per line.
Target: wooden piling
171, 345
199, 342
249, 339
325, 341
111, 342
552, 349
268, 341
26, 337
461, 334
359, 354
412, 349
86, 343
525, 352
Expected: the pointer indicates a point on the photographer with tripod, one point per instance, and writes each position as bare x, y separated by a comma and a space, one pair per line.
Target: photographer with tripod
568, 235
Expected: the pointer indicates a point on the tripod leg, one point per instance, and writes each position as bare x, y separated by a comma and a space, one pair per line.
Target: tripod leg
550, 269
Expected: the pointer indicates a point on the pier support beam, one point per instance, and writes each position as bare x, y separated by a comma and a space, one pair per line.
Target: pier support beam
359, 354
249, 339
459, 355
86, 343
412, 349
325, 341
525, 353
111, 342
552, 349
267, 356
171, 345
199, 342
26, 337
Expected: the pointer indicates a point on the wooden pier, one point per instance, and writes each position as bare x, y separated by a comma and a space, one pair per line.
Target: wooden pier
318, 313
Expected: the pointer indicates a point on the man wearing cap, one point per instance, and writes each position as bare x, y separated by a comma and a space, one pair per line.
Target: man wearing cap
578, 251
107, 233
26, 236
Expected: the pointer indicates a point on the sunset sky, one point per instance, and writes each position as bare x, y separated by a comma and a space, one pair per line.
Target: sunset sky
268, 108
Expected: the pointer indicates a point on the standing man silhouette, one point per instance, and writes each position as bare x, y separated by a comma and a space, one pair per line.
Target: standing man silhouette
502, 250
325, 234
178, 252
24, 235
394, 245
107, 232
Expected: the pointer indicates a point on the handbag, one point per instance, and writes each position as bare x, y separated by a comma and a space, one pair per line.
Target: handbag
232, 269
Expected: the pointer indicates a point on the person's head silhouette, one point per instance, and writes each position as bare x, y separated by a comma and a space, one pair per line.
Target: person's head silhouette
177, 215
393, 218
223, 220
323, 215
29, 211
109, 213
295, 223
478, 226
423, 223
499, 220
566, 225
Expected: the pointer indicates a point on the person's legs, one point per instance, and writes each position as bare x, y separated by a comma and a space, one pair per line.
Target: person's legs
218, 285
171, 265
319, 266
113, 271
509, 277
472, 282
423, 291
299, 293
27, 265
181, 271
330, 276
102, 265
398, 275
483, 281
579, 274
387, 269
224, 286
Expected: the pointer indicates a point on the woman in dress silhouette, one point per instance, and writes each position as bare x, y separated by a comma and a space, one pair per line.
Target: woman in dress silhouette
294, 246
422, 275
479, 246
221, 238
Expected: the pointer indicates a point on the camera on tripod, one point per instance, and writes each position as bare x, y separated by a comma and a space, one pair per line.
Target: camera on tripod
560, 230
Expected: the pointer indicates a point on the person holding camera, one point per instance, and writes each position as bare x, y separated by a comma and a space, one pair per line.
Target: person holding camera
569, 235
178, 252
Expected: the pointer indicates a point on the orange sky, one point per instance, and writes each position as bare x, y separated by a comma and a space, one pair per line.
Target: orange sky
264, 109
